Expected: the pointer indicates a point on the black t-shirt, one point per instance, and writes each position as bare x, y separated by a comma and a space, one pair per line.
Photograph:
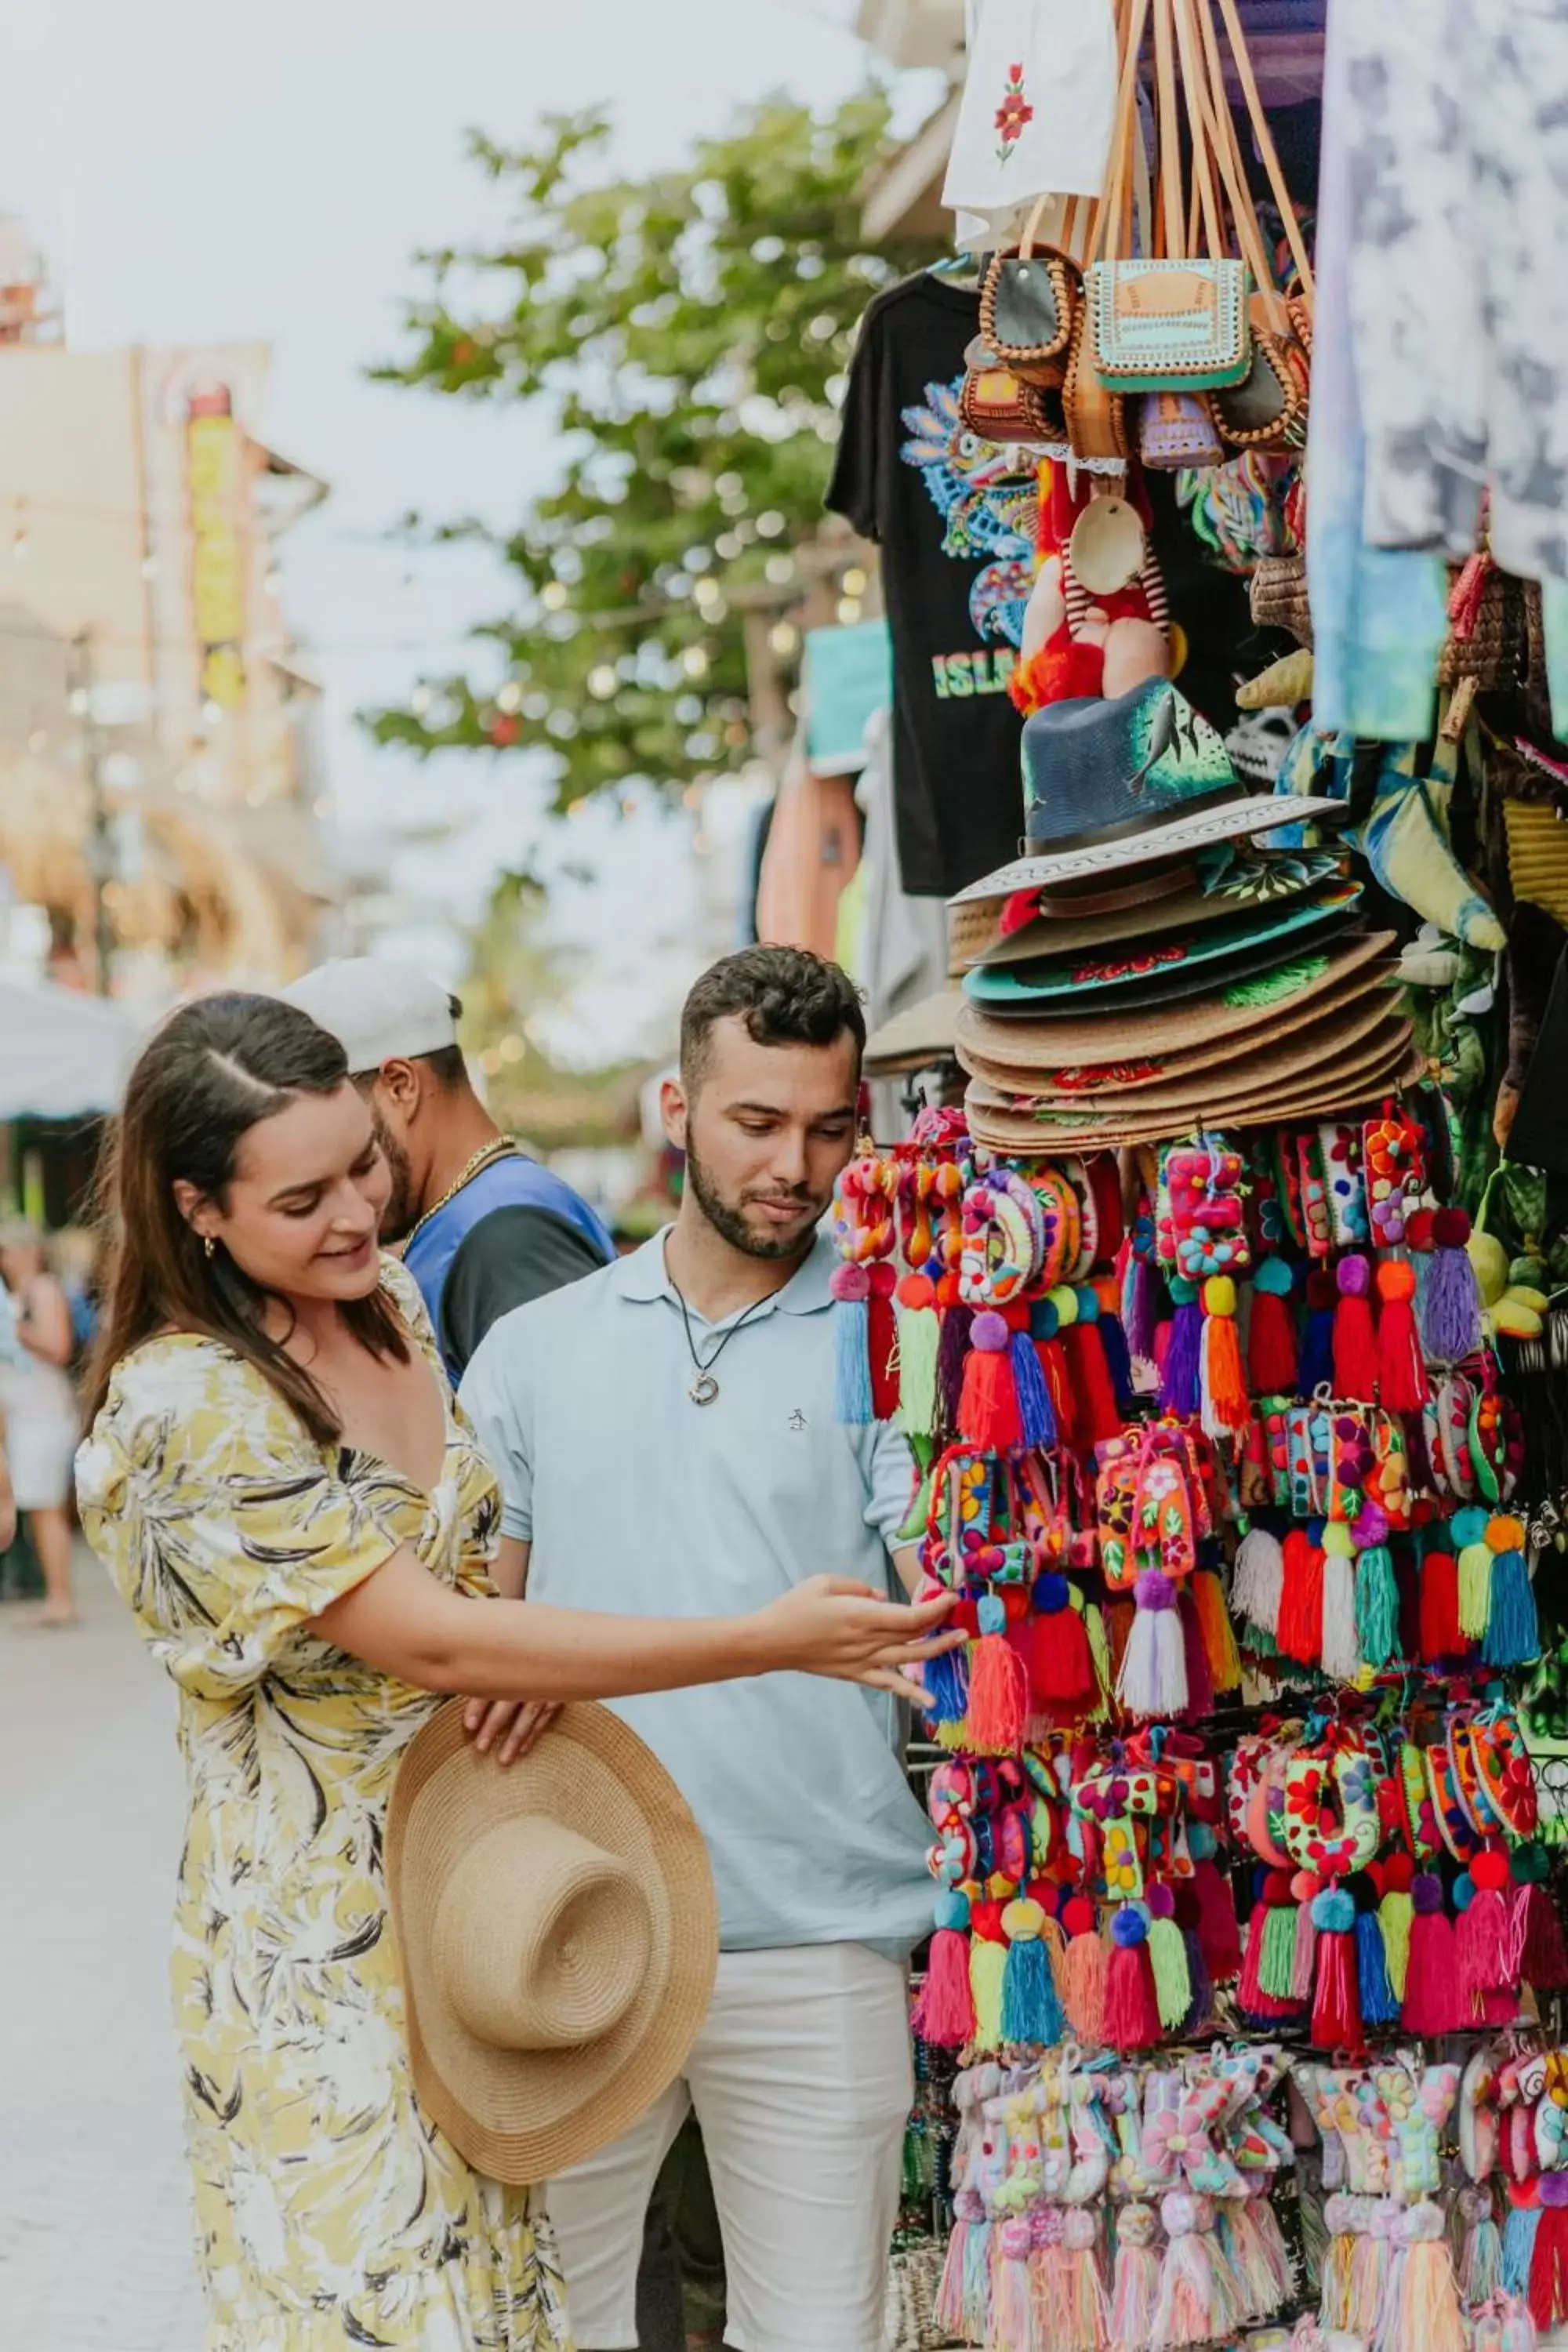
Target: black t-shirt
511, 1257
955, 516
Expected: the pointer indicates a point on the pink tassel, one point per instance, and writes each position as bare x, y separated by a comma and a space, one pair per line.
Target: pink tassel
944, 2013
1434, 1999
1135, 2290
1482, 1940
1336, 2004
1306, 1954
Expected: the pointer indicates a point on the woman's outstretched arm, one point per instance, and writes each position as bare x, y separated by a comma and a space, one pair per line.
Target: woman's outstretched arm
405, 1621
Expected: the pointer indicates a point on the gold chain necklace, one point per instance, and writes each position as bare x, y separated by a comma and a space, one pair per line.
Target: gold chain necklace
503, 1148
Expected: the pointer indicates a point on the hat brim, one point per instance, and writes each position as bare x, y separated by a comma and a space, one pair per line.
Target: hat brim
1226, 820
910, 1040
1314, 1094
1144, 974
1372, 1018
1081, 1038
522, 2117
1153, 918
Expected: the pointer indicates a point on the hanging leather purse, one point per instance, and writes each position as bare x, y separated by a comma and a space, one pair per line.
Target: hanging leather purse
1269, 411
999, 405
1028, 303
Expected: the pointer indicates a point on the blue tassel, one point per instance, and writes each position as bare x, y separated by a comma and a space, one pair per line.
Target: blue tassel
1031, 2010
1379, 2005
852, 1362
945, 1679
1376, 1605
1315, 1369
1513, 1632
1039, 1423
1118, 1359
1518, 2249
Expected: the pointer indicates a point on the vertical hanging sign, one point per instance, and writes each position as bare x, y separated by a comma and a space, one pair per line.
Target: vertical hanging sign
214, 459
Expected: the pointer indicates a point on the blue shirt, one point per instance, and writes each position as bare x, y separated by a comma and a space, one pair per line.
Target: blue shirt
514, 1213
639, 1502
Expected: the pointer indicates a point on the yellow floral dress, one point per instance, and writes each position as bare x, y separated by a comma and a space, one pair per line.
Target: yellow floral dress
331, 2212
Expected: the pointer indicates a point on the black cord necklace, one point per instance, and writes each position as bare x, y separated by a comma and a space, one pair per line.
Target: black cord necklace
704, 1387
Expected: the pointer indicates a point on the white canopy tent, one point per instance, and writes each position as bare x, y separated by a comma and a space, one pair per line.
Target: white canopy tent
62, 1056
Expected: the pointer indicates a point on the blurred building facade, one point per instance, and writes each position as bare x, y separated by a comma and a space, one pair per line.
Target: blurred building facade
161, 772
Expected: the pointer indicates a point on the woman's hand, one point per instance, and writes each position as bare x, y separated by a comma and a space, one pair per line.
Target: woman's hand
831, 1625
511, 1726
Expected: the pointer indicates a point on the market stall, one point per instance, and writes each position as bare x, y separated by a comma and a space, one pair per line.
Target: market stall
1214, 1274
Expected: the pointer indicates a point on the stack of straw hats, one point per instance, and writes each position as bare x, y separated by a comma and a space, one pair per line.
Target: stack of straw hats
1145, 968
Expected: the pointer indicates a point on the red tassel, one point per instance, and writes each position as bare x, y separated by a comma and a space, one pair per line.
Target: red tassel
1301, 1634
988, 1403
1434, 1999
998, 1698
1271, 1345
1402, 1383
1548, 2269
1355, 1336
944, 2013
1219, 1936
1336, 1999
882, 1341
1061, 1664
1542, 1954
1098, 1416
1441, 1637
1131, 2009
1064, 1404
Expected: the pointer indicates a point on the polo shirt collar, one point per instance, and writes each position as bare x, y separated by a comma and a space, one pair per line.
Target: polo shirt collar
642, 1275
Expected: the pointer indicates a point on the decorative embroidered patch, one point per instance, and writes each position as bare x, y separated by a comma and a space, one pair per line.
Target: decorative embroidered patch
1013, 115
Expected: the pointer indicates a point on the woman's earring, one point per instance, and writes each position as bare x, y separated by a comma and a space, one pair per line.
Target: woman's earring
208, 1244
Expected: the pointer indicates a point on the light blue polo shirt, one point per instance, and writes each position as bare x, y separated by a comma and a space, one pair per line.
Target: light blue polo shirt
639, 1502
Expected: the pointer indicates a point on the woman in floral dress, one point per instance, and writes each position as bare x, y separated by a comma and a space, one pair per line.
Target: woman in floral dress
287, 1498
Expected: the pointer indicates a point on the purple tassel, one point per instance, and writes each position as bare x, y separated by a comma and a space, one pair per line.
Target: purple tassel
1201, 1983
952, 1351
1035, 1414
1450, 1310
1138, 1308
1179, 1384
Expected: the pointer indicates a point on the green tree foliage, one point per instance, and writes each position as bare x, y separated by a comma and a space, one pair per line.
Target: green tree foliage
690, 333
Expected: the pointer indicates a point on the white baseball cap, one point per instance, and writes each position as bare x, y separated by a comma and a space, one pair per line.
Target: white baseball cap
377, 1011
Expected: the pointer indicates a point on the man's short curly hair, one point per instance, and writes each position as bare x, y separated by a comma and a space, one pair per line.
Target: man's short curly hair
785, 996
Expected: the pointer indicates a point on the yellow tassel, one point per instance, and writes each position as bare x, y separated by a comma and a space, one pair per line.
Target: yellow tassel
1099, 1651
1217, 1631
988, 1966
1394, 1913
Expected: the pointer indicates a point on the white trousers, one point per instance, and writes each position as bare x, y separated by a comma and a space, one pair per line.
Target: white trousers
802, 2081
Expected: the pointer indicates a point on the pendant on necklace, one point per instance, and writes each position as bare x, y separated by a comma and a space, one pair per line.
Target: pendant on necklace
703, 1389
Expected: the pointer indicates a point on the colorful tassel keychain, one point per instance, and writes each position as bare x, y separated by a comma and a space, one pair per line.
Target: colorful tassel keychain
1355, 1334
1272, 1352
865, 1234
1450, 1305
1402, 1382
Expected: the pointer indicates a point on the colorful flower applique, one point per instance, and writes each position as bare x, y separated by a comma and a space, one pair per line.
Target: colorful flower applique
1013, 115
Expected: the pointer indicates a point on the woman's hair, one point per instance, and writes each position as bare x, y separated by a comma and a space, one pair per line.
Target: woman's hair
214, 1070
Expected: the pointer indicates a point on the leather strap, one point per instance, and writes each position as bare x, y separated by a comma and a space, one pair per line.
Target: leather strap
1266, 148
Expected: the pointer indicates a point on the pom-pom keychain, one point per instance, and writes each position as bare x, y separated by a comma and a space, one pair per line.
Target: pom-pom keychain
1085, 1970
1512, 1636
1178, 1373
1257, 1578
1315, 1367
865, 1234
1152, 1681
1226, 1408
1434, 2002
920, 1335
1031, 2009
1441, 1635
1483, 1938
1402, 1382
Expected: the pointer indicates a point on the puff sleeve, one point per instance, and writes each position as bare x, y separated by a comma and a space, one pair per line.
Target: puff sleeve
223, 1524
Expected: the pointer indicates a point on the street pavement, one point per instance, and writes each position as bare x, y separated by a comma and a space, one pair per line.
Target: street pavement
94, 2211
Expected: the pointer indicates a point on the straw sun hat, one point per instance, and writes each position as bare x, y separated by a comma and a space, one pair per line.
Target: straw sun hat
559, 1937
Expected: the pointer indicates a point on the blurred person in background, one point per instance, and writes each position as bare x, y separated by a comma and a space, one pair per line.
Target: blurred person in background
74, 1252
40, 1414
483, 1227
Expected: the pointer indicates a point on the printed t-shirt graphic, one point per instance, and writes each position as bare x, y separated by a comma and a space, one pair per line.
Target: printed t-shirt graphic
954, 515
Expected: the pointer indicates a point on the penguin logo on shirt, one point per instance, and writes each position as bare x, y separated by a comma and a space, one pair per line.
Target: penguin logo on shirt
797, 1420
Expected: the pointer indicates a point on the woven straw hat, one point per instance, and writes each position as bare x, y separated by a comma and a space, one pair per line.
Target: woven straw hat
559, 1934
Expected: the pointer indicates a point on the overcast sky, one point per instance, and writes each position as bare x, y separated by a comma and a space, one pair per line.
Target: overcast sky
201, 170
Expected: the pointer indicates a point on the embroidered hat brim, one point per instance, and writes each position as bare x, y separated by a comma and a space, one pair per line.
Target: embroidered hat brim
1232, 819
1238, 940
1272, 882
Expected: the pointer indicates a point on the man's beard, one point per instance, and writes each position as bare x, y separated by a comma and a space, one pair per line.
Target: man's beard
728, 1218
401, 1214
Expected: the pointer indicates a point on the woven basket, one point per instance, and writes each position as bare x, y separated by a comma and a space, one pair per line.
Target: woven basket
1496, 651
910, 2323
1279, 596
1538, 856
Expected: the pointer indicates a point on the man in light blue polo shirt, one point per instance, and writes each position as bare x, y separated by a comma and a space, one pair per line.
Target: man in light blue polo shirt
666, 1441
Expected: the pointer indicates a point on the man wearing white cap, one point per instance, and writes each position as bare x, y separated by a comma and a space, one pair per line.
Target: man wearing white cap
485, 1227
